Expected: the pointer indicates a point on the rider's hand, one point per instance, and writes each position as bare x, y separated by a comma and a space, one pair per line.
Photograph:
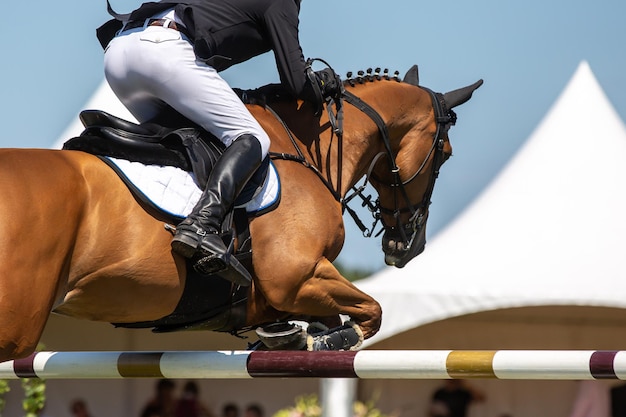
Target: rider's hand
320, 86
330, 83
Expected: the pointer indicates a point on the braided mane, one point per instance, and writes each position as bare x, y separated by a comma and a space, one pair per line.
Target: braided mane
272, 93
369, 76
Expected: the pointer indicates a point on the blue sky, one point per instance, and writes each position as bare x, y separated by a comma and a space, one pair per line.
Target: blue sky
525, 51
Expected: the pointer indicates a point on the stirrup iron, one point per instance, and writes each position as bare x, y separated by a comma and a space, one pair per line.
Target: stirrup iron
225, 265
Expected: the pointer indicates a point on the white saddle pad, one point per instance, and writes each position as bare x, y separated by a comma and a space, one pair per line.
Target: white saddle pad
175, 192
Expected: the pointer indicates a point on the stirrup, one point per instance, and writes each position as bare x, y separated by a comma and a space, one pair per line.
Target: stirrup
206, 261
226, 266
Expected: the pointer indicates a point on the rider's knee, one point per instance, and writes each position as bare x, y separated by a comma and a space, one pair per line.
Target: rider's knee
261, 137
264, 140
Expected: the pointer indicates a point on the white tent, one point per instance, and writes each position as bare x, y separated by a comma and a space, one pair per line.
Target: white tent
549, 230
535, 262
102, 99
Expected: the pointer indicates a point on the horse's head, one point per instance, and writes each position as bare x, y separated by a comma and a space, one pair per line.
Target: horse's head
405, 177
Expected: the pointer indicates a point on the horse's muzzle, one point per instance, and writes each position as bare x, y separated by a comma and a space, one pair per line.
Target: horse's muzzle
398, 251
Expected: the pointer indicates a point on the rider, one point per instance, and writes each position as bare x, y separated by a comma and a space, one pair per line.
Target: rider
169, 53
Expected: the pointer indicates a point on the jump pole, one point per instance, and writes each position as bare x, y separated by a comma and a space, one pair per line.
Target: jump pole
365, 364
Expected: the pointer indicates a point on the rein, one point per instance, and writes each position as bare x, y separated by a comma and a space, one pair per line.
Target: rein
443, 118
300, 157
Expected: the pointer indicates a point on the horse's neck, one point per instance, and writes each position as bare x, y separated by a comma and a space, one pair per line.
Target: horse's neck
362, 139
342, 160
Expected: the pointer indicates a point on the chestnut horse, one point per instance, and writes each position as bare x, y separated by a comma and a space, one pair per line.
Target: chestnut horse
77, 243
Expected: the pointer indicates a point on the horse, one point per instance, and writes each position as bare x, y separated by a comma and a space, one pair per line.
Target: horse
76, 241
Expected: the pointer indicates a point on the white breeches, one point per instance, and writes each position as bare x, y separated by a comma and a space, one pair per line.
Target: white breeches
153, 67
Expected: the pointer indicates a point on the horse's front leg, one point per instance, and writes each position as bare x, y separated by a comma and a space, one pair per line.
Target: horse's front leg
321, 292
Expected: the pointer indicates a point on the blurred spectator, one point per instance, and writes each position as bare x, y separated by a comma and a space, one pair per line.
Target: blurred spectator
253, 410
618, 401
163, 403
592, 400
230, 410
453, 399
189, 404
79, 408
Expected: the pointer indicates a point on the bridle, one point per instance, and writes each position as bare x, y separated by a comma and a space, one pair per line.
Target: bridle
444, 118
407, 232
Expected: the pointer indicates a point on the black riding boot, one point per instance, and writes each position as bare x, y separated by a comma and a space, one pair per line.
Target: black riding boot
199, 233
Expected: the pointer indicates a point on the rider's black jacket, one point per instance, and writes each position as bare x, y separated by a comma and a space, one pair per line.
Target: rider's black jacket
227, 32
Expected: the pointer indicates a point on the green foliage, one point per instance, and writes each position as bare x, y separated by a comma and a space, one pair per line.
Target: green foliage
308, 406
34, 396
34, 393
4, 388
368, 409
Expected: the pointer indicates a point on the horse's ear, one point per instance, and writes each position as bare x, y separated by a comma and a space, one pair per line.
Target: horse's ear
412, 76
460, 96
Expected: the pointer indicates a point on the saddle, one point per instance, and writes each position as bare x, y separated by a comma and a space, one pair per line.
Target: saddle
207, 303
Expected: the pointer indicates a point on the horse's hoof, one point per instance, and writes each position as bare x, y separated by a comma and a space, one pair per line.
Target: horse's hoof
346, 337
282, 336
